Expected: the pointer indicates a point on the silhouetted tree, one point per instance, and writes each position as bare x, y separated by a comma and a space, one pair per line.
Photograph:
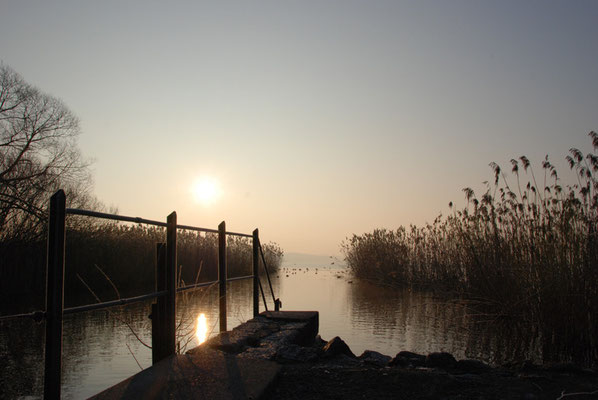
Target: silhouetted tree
38, 155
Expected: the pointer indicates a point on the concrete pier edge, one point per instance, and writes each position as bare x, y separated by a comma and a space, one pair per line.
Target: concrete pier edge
236, 364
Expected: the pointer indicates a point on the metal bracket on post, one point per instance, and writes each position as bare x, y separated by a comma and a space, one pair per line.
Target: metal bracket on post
256, 278
277, 302
222, 274
55, 295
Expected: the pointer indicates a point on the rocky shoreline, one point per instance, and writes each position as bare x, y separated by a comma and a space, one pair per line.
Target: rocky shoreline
312, 368
336, 373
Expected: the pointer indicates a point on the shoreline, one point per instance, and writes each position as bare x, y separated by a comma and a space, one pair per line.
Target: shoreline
413, 376
312, 368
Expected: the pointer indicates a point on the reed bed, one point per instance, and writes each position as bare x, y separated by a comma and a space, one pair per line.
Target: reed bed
114, 259
526, 250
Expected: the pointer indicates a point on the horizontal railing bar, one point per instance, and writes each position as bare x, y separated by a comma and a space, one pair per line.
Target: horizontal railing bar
239, 234
88, 213
36, 315
195, 286
120, 302
138, 220
238, 278
197, 229
198, 285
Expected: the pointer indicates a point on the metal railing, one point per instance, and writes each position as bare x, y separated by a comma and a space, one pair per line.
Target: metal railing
163, 311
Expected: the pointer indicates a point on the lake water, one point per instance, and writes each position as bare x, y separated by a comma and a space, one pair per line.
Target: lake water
100, 348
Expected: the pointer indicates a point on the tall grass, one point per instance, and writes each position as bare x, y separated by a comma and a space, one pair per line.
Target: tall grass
527, 249
102, 256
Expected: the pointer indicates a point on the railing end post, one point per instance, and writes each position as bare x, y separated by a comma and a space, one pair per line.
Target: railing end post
58, 194
55, 294
159, 332
171, 284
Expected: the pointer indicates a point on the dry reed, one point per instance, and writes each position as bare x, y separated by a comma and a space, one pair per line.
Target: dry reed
523, 250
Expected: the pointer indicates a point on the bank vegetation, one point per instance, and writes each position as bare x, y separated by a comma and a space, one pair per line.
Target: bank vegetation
109, 259
526, 250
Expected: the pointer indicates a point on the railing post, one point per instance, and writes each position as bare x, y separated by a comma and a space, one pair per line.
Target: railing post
222, 273
54, 295
171, 267
256, 261
159, 308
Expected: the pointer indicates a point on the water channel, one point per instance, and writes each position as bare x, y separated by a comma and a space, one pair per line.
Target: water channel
100, 348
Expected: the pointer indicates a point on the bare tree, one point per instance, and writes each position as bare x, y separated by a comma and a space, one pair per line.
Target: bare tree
38, 155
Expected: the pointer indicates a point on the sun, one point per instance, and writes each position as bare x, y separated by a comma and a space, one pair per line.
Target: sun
206, 190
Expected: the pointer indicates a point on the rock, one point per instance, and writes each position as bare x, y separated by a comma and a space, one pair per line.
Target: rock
295, 353
335, 347
282, 338
405, 359
264, 352
472, 366
569, 369
469, 378
227, 342
411, 356
440, 360
319, 342
399, 362
305, 323
342, 361
375, 358
528, 368
247, 334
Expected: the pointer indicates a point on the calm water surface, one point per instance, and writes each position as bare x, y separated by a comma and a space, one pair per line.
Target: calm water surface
100, 348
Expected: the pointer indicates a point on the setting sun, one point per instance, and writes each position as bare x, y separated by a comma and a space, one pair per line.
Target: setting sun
206, 190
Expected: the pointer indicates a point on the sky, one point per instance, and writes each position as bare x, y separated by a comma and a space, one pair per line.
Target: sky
314, 120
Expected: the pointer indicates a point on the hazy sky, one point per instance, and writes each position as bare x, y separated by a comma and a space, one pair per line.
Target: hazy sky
318, 119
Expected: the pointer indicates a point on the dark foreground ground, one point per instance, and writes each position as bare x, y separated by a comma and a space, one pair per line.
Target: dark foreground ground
330, 370
350, 379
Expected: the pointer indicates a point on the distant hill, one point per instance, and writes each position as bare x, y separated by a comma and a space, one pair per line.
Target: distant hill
311, 261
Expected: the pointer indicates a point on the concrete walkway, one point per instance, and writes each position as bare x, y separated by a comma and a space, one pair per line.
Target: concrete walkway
233, 365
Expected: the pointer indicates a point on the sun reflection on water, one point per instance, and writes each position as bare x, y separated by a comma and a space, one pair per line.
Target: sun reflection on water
202, 328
